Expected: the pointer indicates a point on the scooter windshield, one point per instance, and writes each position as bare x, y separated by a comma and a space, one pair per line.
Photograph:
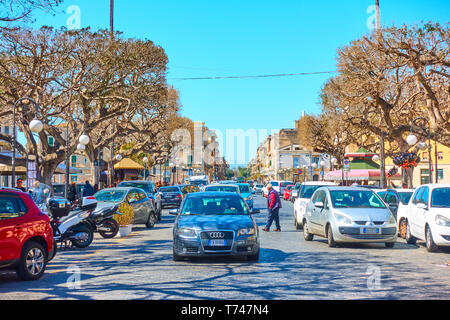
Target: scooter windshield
40, 193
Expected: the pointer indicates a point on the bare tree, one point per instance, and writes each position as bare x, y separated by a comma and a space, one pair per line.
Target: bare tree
21, 10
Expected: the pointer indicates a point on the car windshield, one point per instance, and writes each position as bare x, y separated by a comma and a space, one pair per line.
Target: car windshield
355, 199
244, 188
260, 186
144, 186
405, 196
274, 184
169, 189
223, 188
214, 205
307, 191
59, 188
199, 182
440, 198
110, 195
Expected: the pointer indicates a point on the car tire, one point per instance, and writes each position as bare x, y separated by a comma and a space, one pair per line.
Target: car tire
389, 244
151, 220
431, 245
408, 236
296, 224
331, 242
306, 235
402, 228
253, 257
33, 261
176, 257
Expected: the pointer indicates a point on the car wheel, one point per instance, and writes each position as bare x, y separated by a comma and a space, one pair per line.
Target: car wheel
176, 257
151, 220
389, 244
408, 236
431, 246
330, 237
402, 228
33, 261
306, 235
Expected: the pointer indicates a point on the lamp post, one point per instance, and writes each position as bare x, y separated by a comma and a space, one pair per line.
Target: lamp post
35, 126
145, 160
424, 125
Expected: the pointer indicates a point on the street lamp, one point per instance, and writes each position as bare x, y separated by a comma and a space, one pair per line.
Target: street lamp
145, 160
35, 126
424, 125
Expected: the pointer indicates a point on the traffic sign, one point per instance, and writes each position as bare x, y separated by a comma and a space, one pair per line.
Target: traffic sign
346, 165
299, 171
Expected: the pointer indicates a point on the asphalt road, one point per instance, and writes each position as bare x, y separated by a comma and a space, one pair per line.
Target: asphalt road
141, 267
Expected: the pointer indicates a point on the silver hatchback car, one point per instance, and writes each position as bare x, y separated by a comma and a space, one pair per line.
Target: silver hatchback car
347, 214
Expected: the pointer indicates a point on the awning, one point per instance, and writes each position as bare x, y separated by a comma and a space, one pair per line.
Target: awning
7, 170
358, 175
127, 163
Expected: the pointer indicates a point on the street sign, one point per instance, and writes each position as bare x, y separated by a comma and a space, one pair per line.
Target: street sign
299, 171
346, 165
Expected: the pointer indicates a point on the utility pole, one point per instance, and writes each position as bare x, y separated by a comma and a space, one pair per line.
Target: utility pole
111, 17
378, 15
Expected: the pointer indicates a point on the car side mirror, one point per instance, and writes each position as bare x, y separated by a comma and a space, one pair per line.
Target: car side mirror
319, 204
132, 200
422, 205
173, 212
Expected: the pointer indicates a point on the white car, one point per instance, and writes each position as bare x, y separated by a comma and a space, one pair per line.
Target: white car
397, 200
304, 196
275, 186
428, 216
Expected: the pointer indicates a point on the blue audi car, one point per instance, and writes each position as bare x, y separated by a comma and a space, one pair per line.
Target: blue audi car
215, 224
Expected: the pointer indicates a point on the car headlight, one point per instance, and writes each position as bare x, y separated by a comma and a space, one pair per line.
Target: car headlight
185, 232
391, 219
442, 221
342, 219
246, 231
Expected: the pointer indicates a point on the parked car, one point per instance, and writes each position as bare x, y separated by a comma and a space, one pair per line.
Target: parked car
246, 193
428, 216
26, 236
144, 211
295, 192
349, 214
288, 192
258, 188
301, 202
283, 185
215, 224
397, 200
150, 188
275, 186
170, 196
227, 187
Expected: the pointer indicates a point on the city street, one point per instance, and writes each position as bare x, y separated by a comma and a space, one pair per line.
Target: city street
141, 267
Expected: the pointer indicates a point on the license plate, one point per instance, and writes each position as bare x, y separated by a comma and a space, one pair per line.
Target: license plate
62, 205
217, 243
370, 230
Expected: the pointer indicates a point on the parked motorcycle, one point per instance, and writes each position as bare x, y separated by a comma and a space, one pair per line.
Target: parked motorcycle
72, 226
102, 221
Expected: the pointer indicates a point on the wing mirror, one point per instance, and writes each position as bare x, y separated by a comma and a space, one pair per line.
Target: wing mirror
173, 212
132, 200
422, 205
319, 204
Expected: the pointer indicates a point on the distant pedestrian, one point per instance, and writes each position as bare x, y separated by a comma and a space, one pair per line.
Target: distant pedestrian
72, 192
20, 186
88, 190
273, 206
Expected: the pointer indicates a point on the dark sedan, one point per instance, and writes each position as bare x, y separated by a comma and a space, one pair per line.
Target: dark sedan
215, 224
170, 196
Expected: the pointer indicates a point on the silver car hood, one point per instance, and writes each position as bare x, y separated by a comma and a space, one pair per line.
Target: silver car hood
365, 214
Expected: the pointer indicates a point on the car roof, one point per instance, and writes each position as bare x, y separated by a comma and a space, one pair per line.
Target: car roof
213, 194
118, 188
138, 181
319, 183
222, 184
342, 188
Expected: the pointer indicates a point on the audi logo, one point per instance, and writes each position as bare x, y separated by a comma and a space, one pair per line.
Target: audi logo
217, 235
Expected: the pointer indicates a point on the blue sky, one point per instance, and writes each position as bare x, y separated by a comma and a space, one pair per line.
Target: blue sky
248, 37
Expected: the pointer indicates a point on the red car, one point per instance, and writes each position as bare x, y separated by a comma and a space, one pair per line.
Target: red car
288, 192
26, 236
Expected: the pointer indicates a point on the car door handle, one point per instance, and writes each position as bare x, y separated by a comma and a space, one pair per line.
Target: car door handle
18, 226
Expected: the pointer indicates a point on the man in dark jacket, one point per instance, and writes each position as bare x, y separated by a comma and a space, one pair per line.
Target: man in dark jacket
88, 190
72, 192
273, 206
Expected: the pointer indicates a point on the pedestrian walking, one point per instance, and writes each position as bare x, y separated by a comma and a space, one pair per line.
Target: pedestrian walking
273, 206
72, 192
88, 190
